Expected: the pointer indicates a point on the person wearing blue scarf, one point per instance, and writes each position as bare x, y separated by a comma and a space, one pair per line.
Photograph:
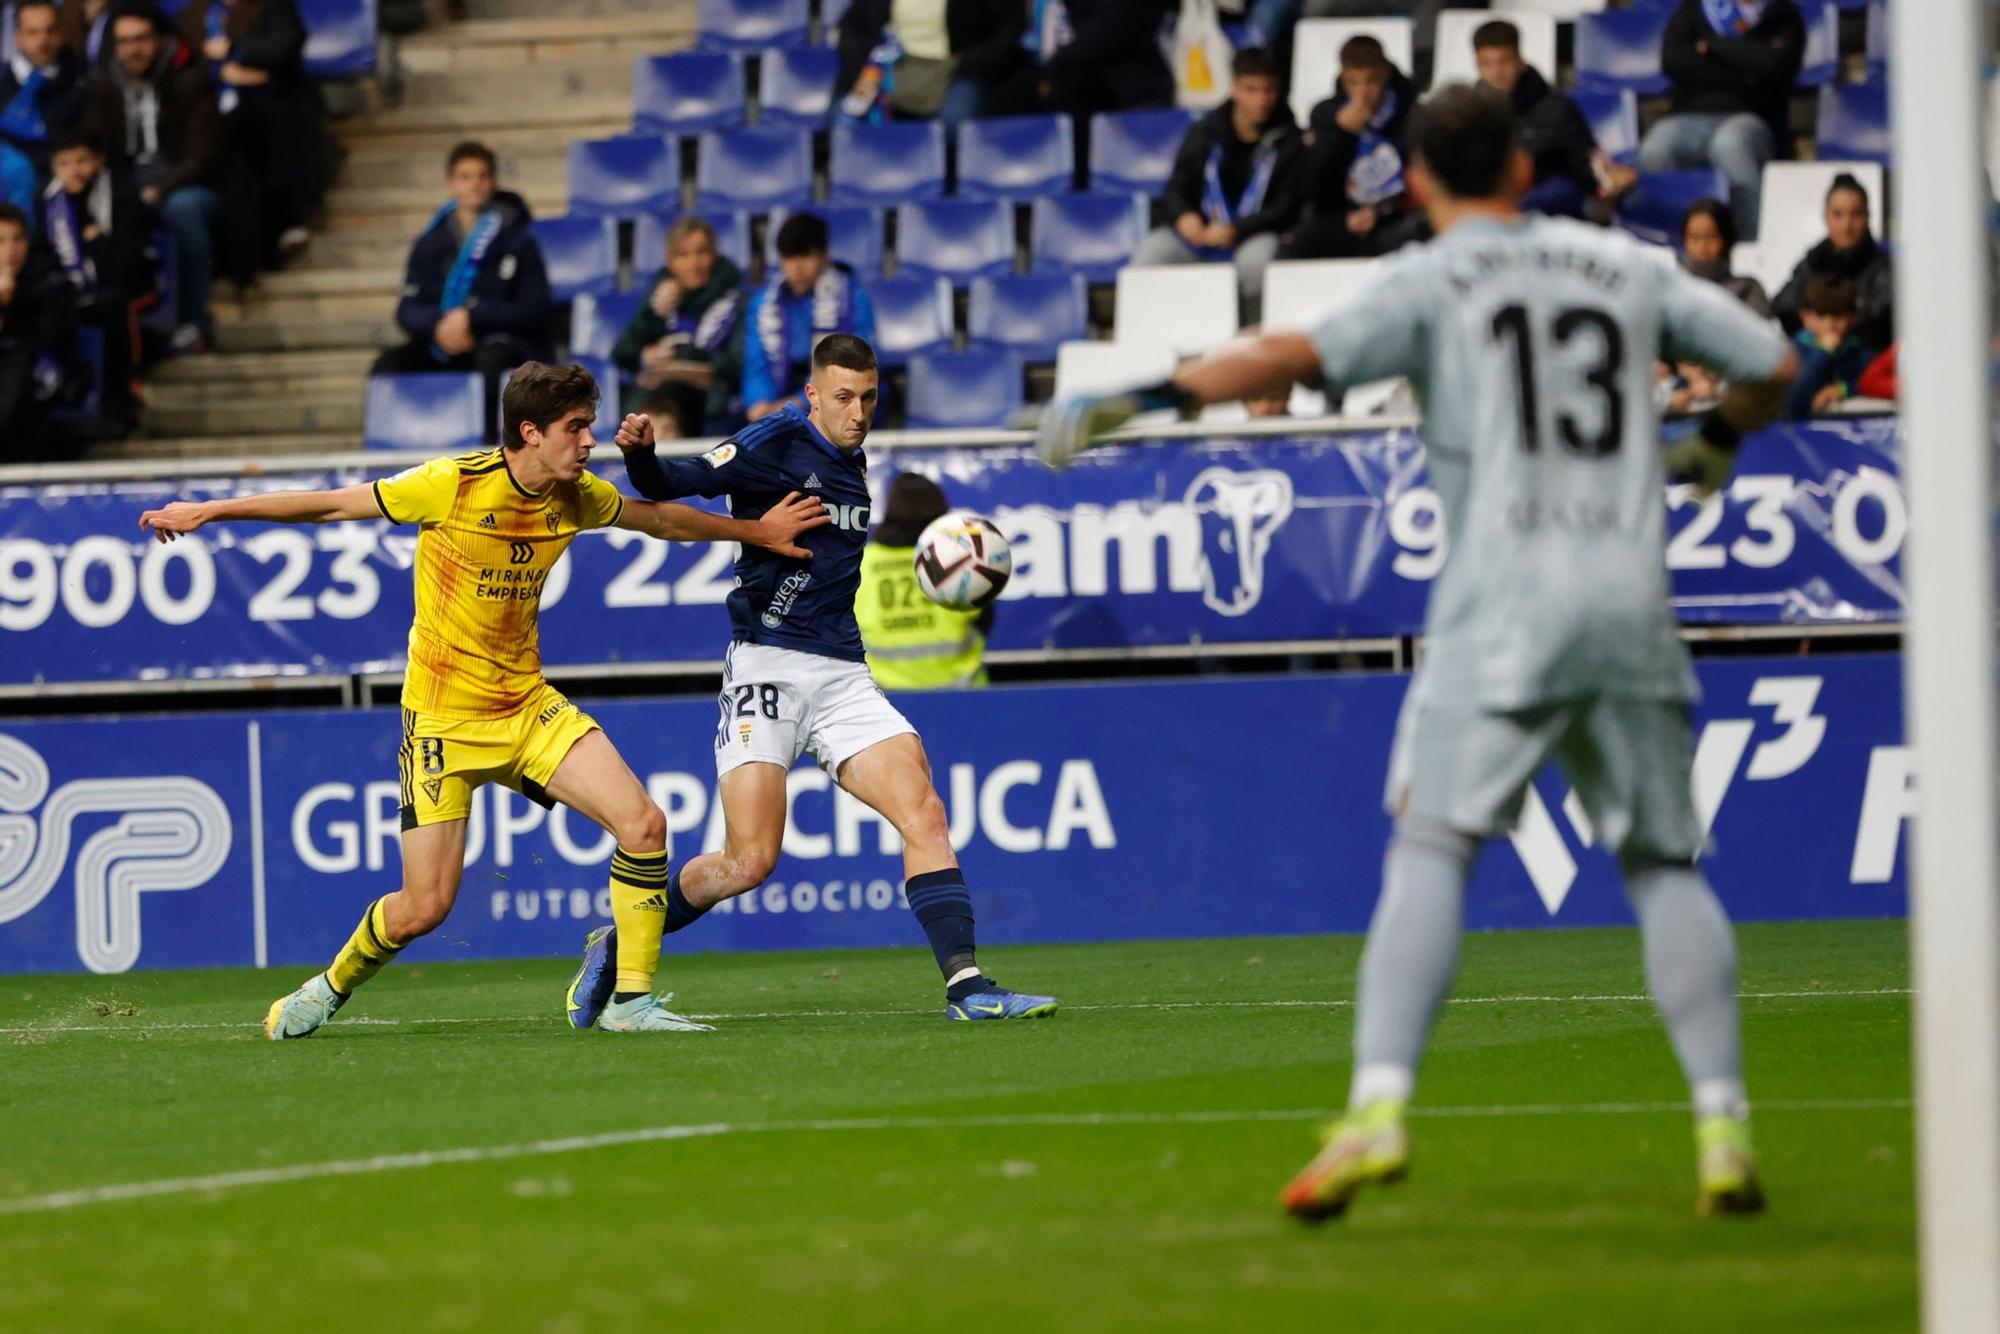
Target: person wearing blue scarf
1234, 187
41, 85
809, 296
1358, 204
476, 292
1732, 64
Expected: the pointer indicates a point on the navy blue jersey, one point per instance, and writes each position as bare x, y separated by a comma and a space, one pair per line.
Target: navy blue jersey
786, 603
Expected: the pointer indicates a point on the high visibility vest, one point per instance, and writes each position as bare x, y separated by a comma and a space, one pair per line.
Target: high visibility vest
913, 643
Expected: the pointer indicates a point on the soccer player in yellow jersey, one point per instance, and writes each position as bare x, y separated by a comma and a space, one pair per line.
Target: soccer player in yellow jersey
476, 708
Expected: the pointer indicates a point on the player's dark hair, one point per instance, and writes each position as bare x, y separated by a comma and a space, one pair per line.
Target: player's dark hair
1466, 137
802, 234
1847, 180
12, 213
543, 394
62, 141
1716, 212
844, 350
23, 6
470, 150
914, 500
1830, 294
1496, 32
1253, 62
1363, 52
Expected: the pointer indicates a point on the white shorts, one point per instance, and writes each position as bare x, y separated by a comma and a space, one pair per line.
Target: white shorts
1629, 759
778, 704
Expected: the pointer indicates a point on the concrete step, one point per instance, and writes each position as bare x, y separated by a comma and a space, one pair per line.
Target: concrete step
402, 213
356, 249
312, 294
403, 169
292, 414
507, 45
225, 395
269, 331
527, 91
479, 10
578, 115
261, 447
258, 372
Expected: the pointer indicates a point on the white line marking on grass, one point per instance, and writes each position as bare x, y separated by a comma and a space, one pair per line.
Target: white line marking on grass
1340, 1004
542, 1148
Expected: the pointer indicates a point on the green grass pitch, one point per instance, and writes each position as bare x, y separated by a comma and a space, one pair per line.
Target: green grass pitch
838, 1157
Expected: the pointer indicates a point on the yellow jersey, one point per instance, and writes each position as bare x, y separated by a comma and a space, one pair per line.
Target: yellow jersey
482, 557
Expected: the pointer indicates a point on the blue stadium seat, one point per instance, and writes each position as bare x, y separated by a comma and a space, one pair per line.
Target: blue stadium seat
1821, 63
1134, 151
688, 92
750, 25
340, 38
1854, 122
597, 318
855, 234
441, 411
829, 19
960, 239
1652, 210
732, 238
625, 175
887, 163
580, 253
90, 351
753, 169
1029, 314
912, 314
1614, 122
1091, 234
1016, 157
1620, 49
977, 388
796, 87
1875, 43
603, 371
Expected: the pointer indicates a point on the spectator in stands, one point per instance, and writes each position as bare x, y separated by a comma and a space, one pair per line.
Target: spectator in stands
155, 112
1099, 55
913, 643
1570, 169
86, 31
96, 227
1708, 236
942, 58
273, 123
42, 86
681, 346
39, 366
1850, 251
475, 293
810, 295
1235, 183
1354, 162
1832, 354
1732, 64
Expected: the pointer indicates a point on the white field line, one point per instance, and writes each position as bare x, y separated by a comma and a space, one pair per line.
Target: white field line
543, 1148
1640, 998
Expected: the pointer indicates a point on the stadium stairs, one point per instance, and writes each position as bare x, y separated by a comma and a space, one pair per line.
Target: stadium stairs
526, 76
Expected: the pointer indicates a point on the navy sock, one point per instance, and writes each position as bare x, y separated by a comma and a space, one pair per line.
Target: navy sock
944, 910
620, 997
680, 913
972, 986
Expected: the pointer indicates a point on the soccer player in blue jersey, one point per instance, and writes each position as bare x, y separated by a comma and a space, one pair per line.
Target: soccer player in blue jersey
796, 682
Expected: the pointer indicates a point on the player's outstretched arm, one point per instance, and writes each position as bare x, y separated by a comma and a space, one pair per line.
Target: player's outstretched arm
184, 516
1705, 458
1242, 368
777, 530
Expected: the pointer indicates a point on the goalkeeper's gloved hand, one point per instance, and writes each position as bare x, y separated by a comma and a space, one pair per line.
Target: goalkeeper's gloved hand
1704, 458
1071, 423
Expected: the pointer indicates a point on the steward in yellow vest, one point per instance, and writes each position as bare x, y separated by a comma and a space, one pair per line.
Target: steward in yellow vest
913, 643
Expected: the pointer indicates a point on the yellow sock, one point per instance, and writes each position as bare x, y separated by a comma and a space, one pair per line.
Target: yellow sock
365, 953
639, 910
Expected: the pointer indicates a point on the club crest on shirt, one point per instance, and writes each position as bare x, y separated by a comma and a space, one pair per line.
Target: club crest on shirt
743, 731
720, 455
554, 521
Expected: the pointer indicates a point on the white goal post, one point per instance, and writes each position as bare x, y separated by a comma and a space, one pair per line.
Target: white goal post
1945, 320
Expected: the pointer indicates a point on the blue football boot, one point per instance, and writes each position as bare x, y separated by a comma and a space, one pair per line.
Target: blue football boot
999, 1004
590, 990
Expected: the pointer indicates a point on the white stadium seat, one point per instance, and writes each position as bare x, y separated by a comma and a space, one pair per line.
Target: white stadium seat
1095, 368
1455, 62
1298, 292
1316, 47
1793, 215
1556, 9
1188, 307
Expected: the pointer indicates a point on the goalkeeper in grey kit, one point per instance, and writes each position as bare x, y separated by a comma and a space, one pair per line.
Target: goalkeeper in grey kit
1530, 342
797, 682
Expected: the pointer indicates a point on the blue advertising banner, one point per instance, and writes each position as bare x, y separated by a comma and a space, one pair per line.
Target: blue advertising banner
1219, 541
1130, 811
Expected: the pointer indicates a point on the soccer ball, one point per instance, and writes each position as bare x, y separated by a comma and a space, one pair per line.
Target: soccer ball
963, 561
